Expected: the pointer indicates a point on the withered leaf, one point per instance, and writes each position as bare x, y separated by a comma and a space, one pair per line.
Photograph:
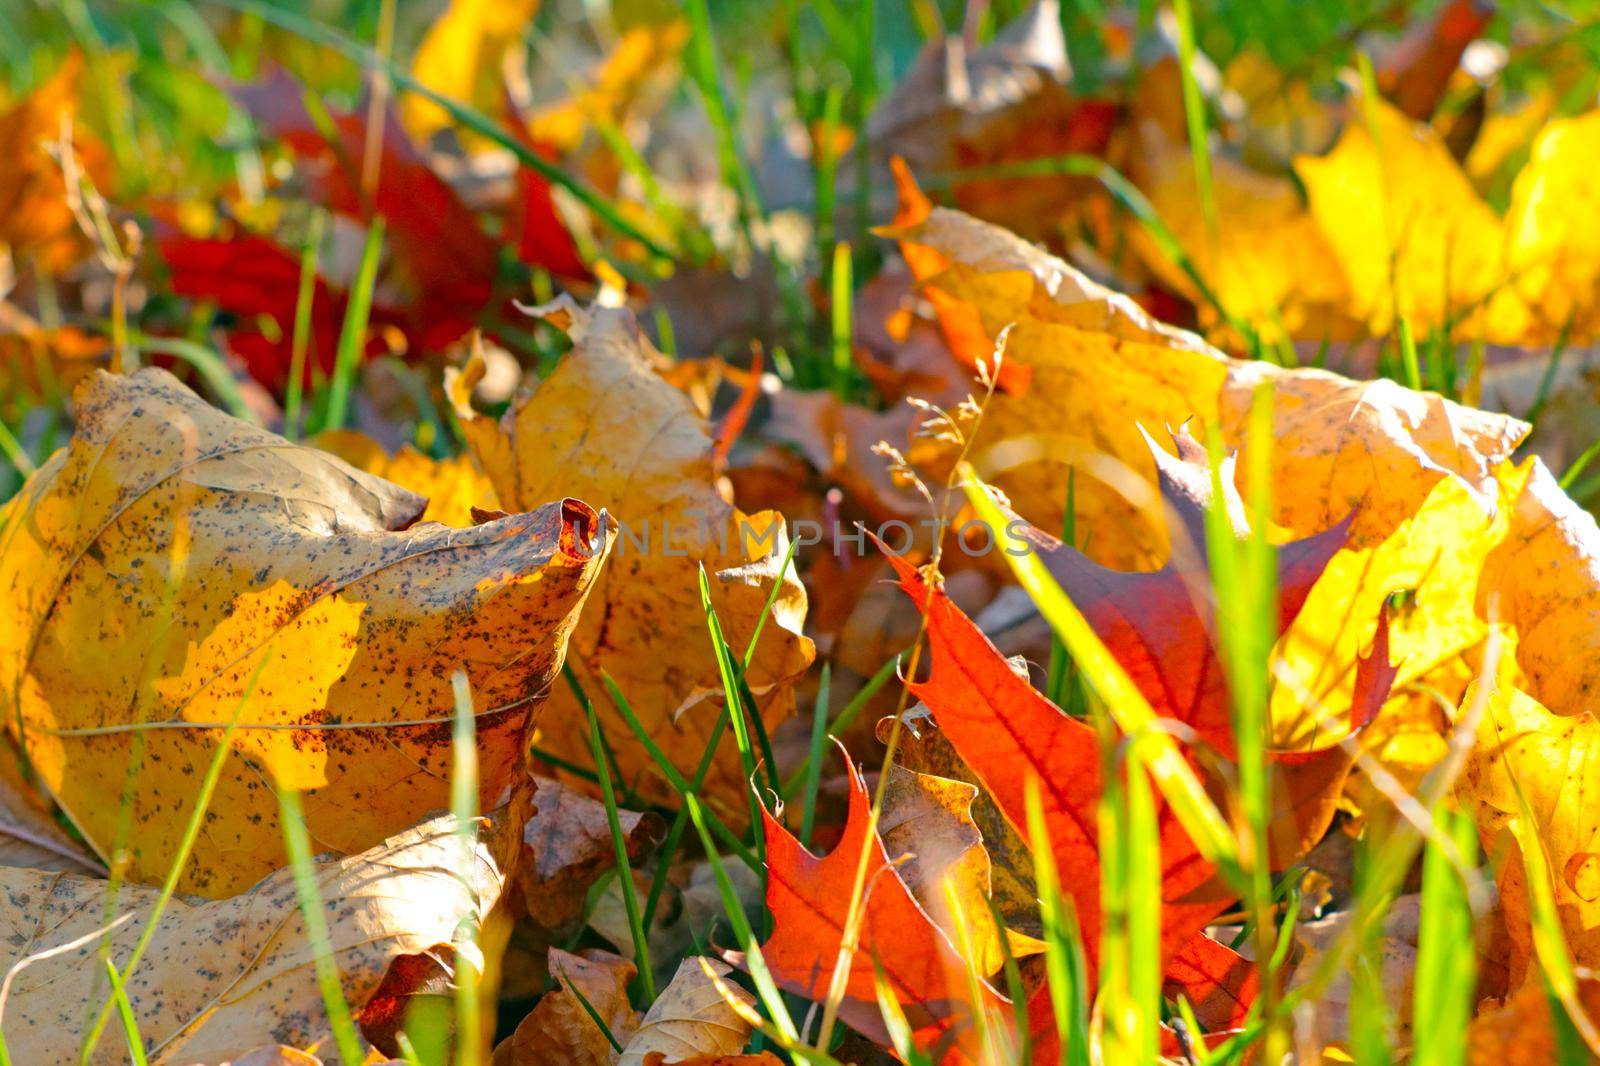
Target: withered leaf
691, 1017
559, 1029
223, 977
606, 427
172, 570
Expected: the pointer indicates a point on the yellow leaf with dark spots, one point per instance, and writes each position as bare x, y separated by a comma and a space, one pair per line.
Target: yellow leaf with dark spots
173, 568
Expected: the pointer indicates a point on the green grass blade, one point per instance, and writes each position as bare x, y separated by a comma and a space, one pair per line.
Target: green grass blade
842, 292
594, 1016
130, 1024
300, 341
1194, 117
755, 964
1579, 465
1065, 965
674, 778
619, 847
464, 805
1446, 975
1056, 672
813, 770
353, 334
735, 699
298, 840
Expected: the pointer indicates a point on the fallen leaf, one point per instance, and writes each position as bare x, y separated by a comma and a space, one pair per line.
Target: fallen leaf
929, 833
29, 833
809, 900
691, 1021
559, 1029
605, 426
173, 568
257, 282
454, 487
1328, 1019
1522, 746
1543, 580
963, 107
566, 846
1555, 200
36, 222
959, 320
445, 263
1521, 1031
1265, 262
225, 976
1429, 569
1376, 447
1152, 624
1410, 232
461, 56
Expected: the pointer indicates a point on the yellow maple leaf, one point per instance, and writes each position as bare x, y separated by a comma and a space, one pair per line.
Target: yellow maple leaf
1552, 259
1413, 237
461, 59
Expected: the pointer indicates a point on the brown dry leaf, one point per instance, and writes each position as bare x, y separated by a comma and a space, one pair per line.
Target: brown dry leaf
566, 846
760, 1058
924, 750
173, 568
964, 106
930, 835
836, 438
35, 220
29, 835
1521, 1031
455, 487
1327, 1019
559, 1029
225, 976
691, 1017
605, 426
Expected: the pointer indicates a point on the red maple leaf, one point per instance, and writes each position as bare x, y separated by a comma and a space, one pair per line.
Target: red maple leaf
809, 900
443, 257
1158, 628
